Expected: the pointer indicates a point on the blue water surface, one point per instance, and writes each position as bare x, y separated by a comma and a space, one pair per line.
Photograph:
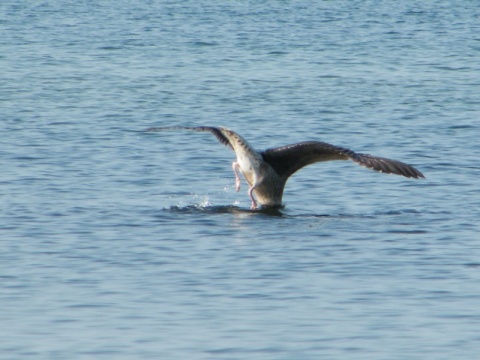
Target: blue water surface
121, 244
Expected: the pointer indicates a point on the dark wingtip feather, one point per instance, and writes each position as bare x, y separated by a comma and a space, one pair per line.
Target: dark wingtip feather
387, 166
218, 134
213, 130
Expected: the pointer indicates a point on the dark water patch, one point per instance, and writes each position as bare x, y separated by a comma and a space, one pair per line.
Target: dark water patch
408, 232
457, 127
110, 48
473, 265
204, 43
221, 209
278, 53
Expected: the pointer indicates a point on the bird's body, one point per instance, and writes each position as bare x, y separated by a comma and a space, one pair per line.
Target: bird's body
267, 172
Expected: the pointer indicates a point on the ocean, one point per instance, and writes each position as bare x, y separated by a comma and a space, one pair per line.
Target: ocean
117, 243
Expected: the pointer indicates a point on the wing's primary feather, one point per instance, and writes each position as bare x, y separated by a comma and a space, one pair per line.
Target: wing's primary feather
387, 166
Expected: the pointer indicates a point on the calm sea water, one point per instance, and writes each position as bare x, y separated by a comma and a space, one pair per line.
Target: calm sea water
117, 244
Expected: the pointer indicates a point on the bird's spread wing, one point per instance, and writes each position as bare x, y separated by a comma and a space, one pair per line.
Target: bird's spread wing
214, 130
286, 160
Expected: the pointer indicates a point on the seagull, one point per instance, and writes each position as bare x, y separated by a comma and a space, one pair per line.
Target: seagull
267, 172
